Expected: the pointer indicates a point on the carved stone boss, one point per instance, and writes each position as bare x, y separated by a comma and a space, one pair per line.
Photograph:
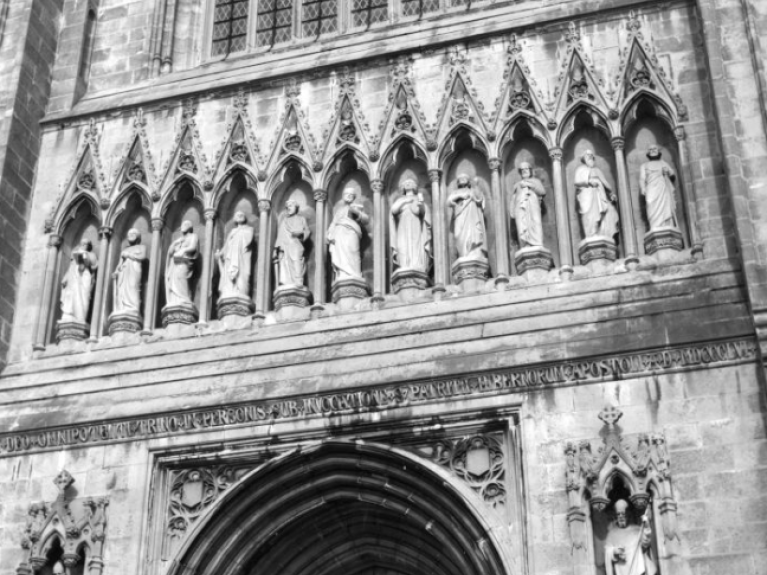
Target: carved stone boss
644, 469
78, 524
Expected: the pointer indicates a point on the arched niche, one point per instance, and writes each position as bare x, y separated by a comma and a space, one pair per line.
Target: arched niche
240, 196
293, 186
465, 154
647, 123
185, 205
524, 146
81, 222
349, 173
133, 213
588, 132
405, 162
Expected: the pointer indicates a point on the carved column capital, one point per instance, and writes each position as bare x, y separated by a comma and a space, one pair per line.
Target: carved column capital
210, 214
105, 231
434, 175
54, 240
157, 224
618, 142
377, 185
320, 195
680, 133
264, 205
494, 163
556, 154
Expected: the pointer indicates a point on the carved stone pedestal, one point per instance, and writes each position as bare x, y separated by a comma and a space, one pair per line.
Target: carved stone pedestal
72, 331
471, 274
409, 284
597, 251
533, 262
128, 322
291, 301
183, 314
663, 243
348, 292
239, 306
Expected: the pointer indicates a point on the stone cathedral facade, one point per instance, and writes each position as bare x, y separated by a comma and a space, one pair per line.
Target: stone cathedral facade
383, 287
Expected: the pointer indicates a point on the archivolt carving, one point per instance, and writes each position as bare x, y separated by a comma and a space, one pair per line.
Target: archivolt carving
240, 147
460, 103
347, 124
293, 136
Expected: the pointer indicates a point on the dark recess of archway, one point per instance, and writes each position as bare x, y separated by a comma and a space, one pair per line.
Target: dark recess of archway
342, 508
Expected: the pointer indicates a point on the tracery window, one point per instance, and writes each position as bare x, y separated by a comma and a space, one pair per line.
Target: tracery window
230, 26
368, 12
319, 17
275, 20
419, 7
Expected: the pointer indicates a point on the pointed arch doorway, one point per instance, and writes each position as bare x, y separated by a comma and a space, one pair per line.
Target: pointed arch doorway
343, 508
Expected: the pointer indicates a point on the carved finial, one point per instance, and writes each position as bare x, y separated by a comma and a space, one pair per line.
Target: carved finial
400, 68
633, 25
139, 120
292, 89
346, 80
455, 56
610, 416
240, 100
514, 48
63, 481
572, 35
188, 111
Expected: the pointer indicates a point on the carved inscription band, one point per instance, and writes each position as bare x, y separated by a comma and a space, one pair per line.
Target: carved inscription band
515, 380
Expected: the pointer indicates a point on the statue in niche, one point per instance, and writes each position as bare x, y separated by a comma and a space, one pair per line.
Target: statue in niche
77, 285
595, 200
468, 204
526, 200
127, 276
289, 247
412, 244
628, 548
344, 236
656, 182
234, 259
179, 267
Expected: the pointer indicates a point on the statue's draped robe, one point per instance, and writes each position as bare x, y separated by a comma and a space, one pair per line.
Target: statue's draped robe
291, 265
638, 556
526, 211
658, 190
412, 245
469, 226
234, 263
344, 236
127, 293
179, 269
77, 286
598, 215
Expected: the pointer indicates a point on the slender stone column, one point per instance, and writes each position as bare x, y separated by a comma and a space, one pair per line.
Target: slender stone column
624, 203
501, 224
263, 265
564, 239
153, 283
320, 199
167, 37
379, 239
689, 192
44, 309
207, 265
102, 284
441, 271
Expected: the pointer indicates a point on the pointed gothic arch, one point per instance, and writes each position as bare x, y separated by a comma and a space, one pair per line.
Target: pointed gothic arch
294, 512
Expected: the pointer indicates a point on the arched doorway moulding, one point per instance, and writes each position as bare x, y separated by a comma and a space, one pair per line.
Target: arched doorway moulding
239, 531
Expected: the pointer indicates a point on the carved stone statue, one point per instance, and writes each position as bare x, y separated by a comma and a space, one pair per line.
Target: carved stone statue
289, 247
180, 266
656, 182
344, 236
628, 548
412, 236
234, 260
127, 276
77, 285
468, 206
526, 200
599, 217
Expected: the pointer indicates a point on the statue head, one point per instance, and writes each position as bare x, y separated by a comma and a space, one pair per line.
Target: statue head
409, 187
463, 181
349, 195
134, 237
239, 218
653, 152
621, 519
186, 227
292, 207
525, 170
588, 158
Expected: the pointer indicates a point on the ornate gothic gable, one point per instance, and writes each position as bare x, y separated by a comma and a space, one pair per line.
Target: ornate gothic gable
293, 137
403, 115
136, 165
347, 125
240, 147
187, 158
